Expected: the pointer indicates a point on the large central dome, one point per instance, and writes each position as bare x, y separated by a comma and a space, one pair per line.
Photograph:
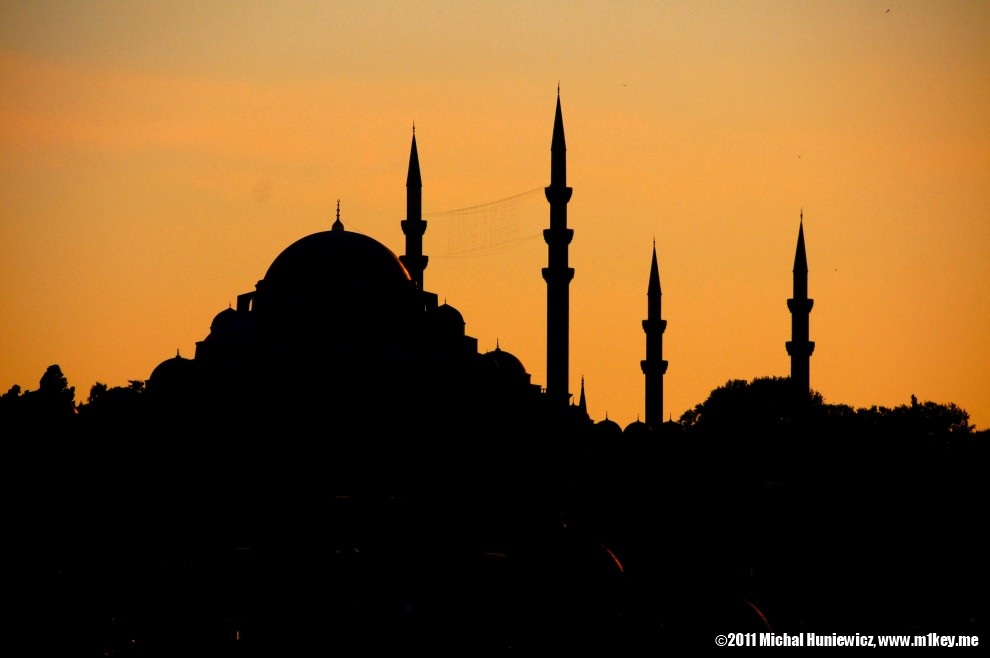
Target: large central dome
334, 279
338, 260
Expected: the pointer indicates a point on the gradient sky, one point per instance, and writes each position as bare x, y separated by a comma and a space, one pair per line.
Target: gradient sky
157, 156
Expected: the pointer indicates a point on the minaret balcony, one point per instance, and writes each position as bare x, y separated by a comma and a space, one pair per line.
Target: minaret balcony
650, 326
556, 237
800, 348
554, 276
416, 227
556, 193
800, 305
649, 366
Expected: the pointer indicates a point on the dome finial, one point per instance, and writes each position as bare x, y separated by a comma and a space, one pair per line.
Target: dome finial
338, 225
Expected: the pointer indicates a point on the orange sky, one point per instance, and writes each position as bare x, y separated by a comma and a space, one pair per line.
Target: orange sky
156, 157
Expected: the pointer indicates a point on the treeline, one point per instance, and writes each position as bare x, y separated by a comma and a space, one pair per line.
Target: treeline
765, 405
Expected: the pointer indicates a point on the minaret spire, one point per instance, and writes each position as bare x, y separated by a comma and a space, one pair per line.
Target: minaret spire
413, 225
653, 366
557, 274
799, 347
337, 224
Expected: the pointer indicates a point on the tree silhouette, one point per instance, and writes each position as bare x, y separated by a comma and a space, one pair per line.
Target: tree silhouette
52, 403
97, 391
54, 392
116, 408
764, 404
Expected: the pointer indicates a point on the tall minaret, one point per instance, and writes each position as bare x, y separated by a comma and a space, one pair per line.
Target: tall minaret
557, 274
799, 347
413, 225
654, 367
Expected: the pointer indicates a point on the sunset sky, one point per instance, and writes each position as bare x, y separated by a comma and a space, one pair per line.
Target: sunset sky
157, 156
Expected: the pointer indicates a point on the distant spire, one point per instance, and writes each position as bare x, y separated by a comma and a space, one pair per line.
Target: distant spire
558, 148
413, 225
338, 225
413, 177
582, 402
654, 367
800, 347
653, 288
558, 274
800, 255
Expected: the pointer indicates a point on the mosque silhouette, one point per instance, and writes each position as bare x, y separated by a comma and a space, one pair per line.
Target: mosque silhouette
339, 466
343, 327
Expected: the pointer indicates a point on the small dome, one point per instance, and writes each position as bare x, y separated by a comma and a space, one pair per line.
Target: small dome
637, 427
504, 361
448, 324
173, 373
449, 317
223, 319
608, 426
